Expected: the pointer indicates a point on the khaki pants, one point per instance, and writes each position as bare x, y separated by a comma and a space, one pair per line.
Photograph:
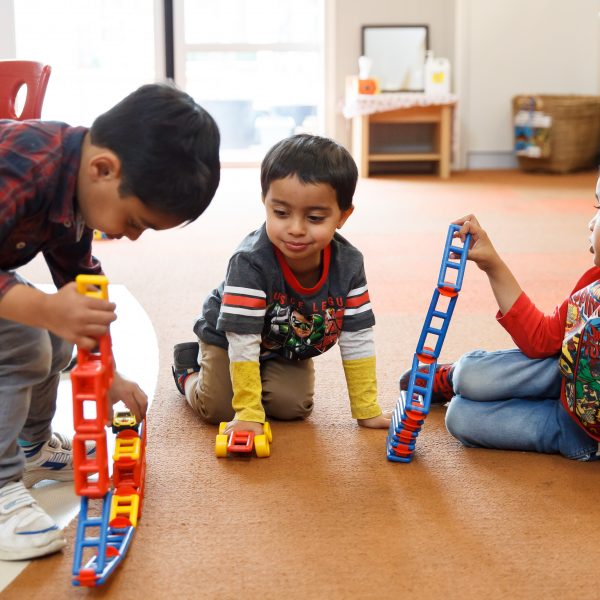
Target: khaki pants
287, 387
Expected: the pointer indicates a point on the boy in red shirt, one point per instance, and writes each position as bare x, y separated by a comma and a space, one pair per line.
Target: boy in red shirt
545, 395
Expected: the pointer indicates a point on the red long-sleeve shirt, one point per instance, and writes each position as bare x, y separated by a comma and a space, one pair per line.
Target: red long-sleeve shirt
536, 334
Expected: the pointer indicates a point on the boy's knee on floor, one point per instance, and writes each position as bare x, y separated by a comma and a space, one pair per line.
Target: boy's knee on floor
291, 413
288, 408
210, 411
212, 415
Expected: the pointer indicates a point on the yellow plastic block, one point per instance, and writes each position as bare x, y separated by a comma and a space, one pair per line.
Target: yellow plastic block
128, 448
95, 286
125, 506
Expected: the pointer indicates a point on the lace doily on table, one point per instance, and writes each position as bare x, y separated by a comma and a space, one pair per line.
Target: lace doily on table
363, 104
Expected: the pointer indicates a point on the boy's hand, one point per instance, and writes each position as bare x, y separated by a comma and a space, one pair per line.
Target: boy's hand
381, 421
131, 394
504, 285
482, 251
236, 425
78, 318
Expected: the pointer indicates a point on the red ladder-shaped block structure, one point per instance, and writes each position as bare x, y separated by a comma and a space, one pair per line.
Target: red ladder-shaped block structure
121, 496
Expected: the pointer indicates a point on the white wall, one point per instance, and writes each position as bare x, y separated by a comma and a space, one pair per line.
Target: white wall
348, 16
7, 34
514, 47
497, 49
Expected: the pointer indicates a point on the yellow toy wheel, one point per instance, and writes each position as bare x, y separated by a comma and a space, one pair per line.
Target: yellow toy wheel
267, 431
222, 427
261, 446
221, 445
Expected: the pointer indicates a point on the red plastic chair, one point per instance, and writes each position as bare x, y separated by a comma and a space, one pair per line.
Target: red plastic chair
14, 74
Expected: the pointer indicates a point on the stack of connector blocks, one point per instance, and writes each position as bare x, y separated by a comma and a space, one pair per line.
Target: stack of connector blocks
107, 536
412, 407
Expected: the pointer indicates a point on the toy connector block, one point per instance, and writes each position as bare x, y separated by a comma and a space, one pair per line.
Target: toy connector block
128, 473
456, 262
400, 421
110, 545
442, 320
102, 355
125, 507
83, 541
394, 457
418, 397
86, 466
405, 436
128, 447
241, 441
88, 383
118, 544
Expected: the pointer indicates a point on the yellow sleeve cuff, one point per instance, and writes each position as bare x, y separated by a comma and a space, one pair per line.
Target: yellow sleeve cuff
247, 391
361, 379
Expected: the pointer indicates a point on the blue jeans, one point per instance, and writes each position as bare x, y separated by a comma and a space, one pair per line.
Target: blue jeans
507, 401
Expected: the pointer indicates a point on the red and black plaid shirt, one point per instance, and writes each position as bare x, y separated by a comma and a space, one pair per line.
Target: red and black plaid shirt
39, 162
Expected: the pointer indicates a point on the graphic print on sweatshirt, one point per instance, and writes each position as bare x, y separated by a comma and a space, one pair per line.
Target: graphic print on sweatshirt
260, 294
580, 361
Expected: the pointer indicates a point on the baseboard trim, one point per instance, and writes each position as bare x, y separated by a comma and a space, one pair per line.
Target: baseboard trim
491, 160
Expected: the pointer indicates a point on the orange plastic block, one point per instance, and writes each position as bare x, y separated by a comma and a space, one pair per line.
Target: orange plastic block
85, 466
241, 441
88, 381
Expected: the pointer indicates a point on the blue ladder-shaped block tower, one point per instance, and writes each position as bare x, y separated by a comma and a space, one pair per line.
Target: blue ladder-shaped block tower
109, 546
413, 405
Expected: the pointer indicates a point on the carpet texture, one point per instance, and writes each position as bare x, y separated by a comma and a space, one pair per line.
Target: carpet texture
327, 516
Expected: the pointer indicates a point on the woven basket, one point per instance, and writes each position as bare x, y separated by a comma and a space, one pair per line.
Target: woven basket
574, 133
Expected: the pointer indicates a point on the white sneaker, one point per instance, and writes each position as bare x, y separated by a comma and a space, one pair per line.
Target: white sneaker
49, 460
26, 531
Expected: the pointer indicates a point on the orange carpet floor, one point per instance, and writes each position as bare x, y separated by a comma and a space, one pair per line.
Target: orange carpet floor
327, 516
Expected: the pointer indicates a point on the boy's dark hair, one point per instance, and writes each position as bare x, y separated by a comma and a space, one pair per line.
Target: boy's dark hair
168, 147
313, 159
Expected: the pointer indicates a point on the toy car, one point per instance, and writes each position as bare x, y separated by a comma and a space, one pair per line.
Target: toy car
124, 419
243, 442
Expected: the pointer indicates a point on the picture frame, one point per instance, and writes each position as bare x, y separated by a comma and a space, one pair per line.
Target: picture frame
397, 54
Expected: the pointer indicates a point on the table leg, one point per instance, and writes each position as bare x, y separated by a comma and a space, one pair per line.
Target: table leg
360, 144
445, 141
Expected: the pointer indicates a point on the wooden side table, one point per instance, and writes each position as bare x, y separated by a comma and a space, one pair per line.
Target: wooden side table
439, 115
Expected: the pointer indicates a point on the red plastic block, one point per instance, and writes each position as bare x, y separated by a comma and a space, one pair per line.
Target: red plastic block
241, 441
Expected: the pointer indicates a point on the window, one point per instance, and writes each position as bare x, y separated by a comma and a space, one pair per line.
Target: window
99, 51
256, 65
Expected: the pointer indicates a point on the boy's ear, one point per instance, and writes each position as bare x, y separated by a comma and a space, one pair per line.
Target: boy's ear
104, 165
345, 214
